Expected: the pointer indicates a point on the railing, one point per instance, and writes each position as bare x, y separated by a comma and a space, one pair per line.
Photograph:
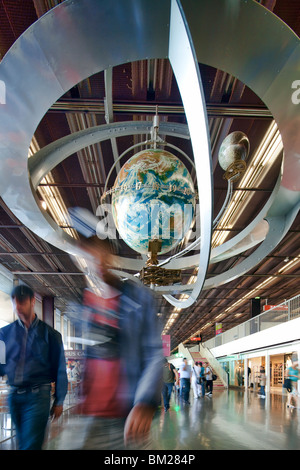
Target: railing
205, 353
282, 313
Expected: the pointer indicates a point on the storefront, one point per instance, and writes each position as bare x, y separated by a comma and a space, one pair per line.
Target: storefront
234, 368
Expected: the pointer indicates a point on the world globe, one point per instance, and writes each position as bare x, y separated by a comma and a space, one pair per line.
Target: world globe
153, 198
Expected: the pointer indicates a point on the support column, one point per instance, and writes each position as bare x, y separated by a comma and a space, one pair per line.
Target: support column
268, 374
48, 310
246, 384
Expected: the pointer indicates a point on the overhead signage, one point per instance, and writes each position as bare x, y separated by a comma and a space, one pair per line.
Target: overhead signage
275, 307
166, 343
196, 339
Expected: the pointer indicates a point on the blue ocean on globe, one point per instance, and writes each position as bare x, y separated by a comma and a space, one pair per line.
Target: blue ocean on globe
153, 198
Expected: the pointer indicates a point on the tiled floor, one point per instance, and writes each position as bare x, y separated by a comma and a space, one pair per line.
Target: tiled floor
230, 420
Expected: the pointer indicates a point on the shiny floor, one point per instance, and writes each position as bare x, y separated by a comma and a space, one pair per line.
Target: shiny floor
229, 420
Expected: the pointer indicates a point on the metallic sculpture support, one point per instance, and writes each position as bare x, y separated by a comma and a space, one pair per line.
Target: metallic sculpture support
185, 67
43, 161
225, 35
46, 159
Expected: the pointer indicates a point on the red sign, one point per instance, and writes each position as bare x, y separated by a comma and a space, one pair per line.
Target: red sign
166, 343
196, 338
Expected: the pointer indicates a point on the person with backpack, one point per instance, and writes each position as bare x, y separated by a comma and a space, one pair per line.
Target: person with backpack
196, 380
170, 376
209, 380
202, 379
185, 380
294, 375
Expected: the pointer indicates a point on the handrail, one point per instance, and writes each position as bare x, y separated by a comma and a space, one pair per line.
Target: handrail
205, 352
220, 372
274, 316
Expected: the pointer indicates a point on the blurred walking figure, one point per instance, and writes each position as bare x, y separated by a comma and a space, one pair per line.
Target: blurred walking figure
202, 379
262, 379
293, 375
122, 377
185, 380
209, 379
34, 359
170, 376
196, 382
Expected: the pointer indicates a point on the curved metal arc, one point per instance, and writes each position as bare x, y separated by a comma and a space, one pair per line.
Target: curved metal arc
43, 161
278, 227
22, 114
46, 57
192, 261
146, 142
185, 67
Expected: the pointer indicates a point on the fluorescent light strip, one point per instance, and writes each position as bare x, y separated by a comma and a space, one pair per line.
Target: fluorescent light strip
266, 154
267, 281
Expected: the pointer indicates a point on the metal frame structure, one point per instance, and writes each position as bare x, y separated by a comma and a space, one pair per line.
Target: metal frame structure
181, 32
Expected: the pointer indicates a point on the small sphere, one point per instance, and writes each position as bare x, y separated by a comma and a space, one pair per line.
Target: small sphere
234, 147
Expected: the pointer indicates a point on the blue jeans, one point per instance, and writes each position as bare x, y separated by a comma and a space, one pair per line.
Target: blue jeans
166, 393
29, 410
203, 387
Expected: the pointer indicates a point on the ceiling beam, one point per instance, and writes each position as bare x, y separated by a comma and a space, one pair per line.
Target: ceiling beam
99, 107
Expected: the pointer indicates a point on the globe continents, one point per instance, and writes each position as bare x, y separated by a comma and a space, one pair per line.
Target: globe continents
153, 198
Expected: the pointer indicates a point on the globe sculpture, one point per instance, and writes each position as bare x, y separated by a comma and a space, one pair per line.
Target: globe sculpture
153, 198
233, 154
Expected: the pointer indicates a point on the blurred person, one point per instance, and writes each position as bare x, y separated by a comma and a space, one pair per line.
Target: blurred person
209, 379
185, 380
122, 375
292, 374
34, 359
202, 379
177, 384
196, 380
262, 380
170, 376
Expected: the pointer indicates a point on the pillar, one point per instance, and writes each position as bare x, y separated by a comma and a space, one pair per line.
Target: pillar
267, 369
246, 384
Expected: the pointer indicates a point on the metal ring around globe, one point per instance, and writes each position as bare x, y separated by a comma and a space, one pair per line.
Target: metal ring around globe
51, 58
44, 160
117, 161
